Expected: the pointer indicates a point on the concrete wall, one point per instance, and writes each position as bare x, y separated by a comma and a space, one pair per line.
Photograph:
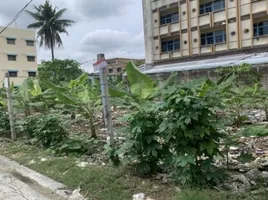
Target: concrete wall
236, 20
185, 76
21, 50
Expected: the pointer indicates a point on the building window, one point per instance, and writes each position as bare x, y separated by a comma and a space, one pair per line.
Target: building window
171, 45
170, 18
11, 57
11, 41
13, 74
111, 71
213, 37
212, 6
260, 29
31, 58
30, 43
32, 74
119, 69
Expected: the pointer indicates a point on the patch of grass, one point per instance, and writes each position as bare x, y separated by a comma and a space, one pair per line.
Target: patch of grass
97, 182
214, 195
106, 182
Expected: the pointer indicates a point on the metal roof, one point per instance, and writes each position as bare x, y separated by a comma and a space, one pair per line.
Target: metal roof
224, 61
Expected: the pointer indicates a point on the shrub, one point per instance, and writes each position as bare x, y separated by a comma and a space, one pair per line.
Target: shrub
191, 127
179, 134
4, 123
76, 145
45, 131
143, 147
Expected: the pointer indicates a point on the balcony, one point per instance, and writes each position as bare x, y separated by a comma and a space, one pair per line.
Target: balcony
259, 6
260, 40
206, 49
219, 16
204, 19
220, 47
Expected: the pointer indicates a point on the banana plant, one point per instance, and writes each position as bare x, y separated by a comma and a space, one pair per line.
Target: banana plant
3, 102
26, 96
80, 96
142, 88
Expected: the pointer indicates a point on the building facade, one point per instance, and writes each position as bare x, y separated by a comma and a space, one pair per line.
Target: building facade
177, 30
18, 54
118, 65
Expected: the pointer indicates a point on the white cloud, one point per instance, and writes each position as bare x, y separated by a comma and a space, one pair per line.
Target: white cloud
99, 9
107, 40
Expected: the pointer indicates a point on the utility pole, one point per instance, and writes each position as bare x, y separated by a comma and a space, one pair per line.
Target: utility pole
101, 66
10, 107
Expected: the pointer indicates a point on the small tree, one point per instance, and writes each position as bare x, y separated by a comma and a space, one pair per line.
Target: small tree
57, 71
81, 96
26, 96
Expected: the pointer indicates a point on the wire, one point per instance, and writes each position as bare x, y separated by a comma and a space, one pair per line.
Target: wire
82, 63
16, 16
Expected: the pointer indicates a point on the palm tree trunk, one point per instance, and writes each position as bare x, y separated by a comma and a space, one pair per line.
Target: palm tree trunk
52, 46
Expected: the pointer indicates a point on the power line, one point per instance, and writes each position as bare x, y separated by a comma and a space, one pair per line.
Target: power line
82, 63
16, 16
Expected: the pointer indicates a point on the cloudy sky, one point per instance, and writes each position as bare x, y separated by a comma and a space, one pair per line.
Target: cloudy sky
114, 27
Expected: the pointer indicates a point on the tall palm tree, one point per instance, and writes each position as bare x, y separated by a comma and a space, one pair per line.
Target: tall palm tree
50, 25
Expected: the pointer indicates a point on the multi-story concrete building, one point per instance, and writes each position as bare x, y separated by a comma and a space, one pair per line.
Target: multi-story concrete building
17, 54
183, 30
118, 65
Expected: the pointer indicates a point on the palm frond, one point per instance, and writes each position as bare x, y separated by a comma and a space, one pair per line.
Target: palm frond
36, 16
58, 40
36, 25
60, 13
65, 22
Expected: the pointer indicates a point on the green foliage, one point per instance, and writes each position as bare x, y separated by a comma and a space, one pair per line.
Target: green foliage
77, 144
57, 71
238, 96
45, 131
141, 85
142, 88
4, 123
143, 147
258, 97
254, 131
79, 95
245, 158
180, 133
28, 96
3, 102
191, 129
112, 153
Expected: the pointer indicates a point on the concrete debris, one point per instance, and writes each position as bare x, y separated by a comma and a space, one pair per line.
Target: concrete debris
140, 196
82, 164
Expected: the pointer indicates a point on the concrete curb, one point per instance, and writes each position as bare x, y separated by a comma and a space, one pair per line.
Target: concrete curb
42, 180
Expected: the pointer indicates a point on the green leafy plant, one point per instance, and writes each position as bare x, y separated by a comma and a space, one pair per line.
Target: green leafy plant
45, 131
4, 123
237, 97
28, 95
57, 71
79, 95
191, 129
77, 144
113, 154
143, 148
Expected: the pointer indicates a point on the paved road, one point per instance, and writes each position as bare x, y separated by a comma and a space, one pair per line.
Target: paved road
12, 188
21, 183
